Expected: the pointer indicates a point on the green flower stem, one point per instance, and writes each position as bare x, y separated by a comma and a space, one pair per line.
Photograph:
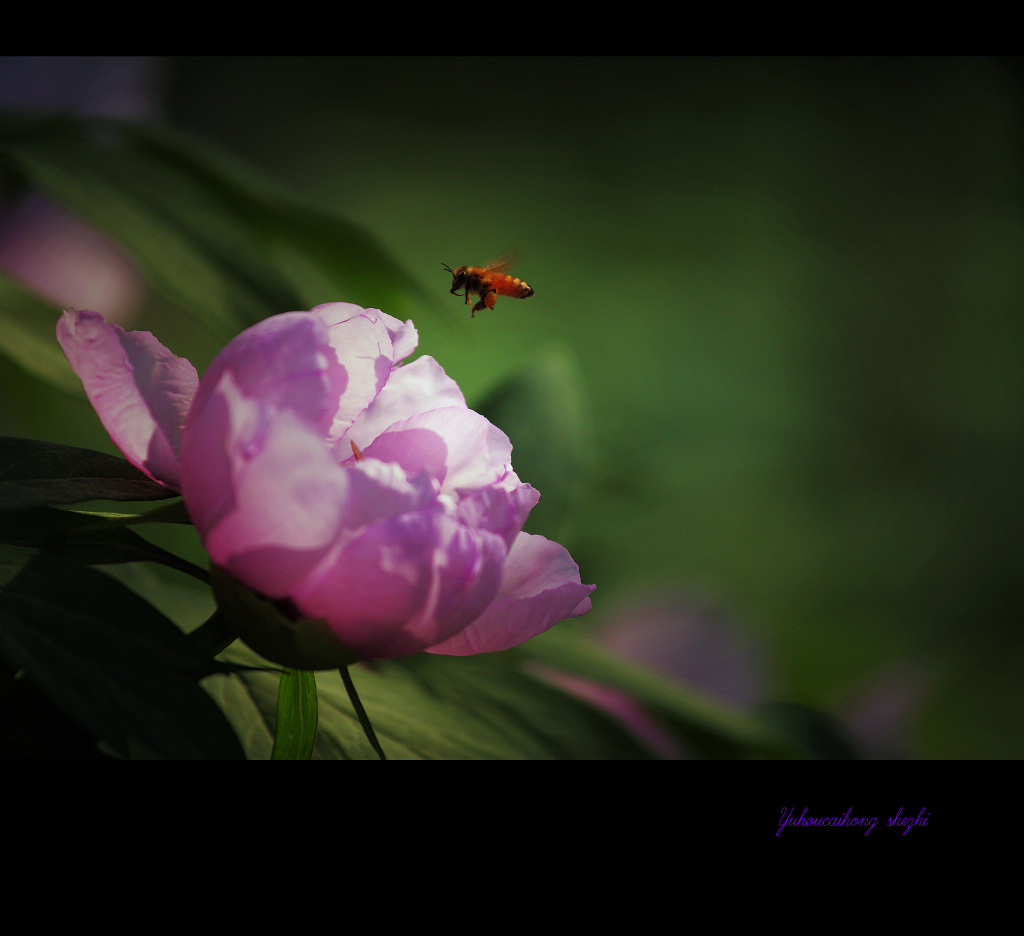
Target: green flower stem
364, 720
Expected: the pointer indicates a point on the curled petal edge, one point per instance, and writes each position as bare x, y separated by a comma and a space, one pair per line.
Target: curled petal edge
540, 587
140, 390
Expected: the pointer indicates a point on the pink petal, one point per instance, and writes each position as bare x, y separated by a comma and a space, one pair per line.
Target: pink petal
266, 496
362, 344
402, 336
412, 389
458, 447
263, 491
540, 587
140, 390
499, 510
287, 362
401, 584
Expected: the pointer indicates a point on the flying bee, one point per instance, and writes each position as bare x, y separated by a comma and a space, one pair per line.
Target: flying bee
488, 283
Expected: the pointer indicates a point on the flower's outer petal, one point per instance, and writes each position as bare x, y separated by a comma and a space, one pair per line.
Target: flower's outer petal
140, 390
496, 509
286, 362
458, 447
540, 587
361, 341
404, 336
411, 389
404, 583
262, 489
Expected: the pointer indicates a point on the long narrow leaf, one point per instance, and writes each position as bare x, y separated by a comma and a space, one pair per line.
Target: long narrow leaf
712, 727
87, 538
33, 473
296, 716
324, 256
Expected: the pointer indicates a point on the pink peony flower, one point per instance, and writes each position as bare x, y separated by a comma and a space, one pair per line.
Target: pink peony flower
324, 474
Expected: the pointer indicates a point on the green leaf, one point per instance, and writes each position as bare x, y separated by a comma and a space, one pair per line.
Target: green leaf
544, 411
432, 707
27, 335
815, 734
296, 716
109, 660
33, 473
323, 256
174, 512
91, 539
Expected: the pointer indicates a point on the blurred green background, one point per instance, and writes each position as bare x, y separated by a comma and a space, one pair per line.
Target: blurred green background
791, 292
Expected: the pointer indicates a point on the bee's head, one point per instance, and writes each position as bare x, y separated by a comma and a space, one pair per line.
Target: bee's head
458, 276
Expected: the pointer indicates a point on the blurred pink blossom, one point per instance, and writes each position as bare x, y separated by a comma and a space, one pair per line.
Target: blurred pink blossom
67, 261
53, 252
687, 639
323, 473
